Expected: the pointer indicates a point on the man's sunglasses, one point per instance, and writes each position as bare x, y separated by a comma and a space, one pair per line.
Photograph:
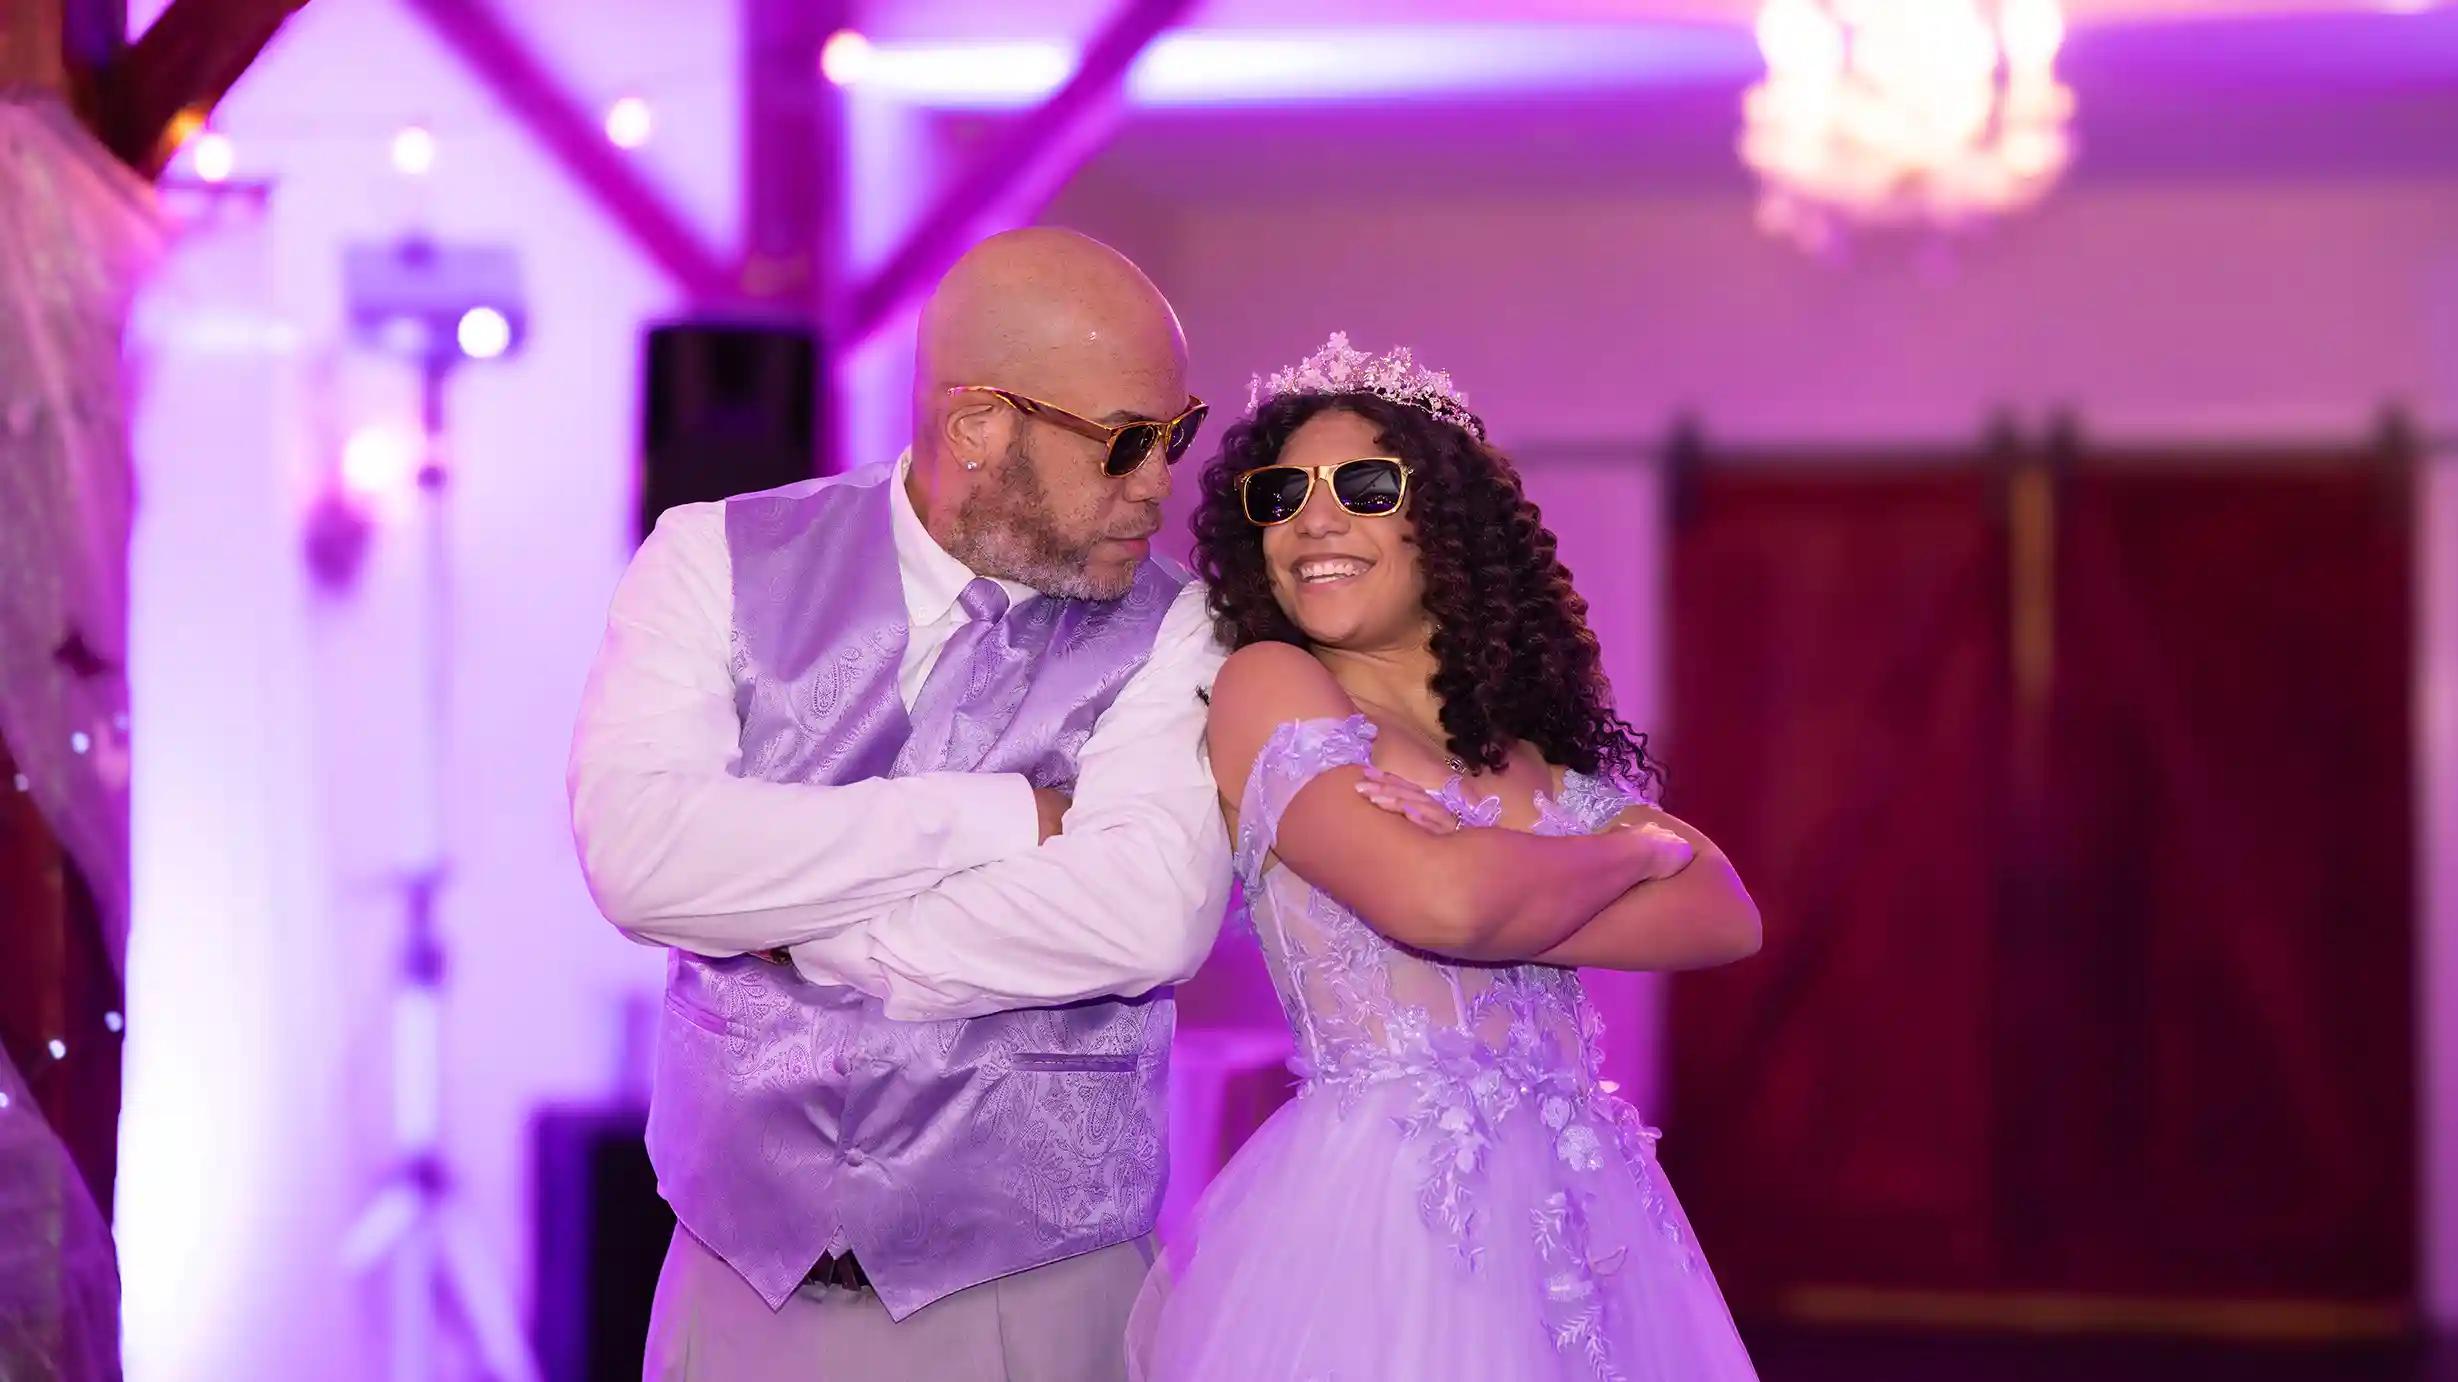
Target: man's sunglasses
1369, 487
1129, 444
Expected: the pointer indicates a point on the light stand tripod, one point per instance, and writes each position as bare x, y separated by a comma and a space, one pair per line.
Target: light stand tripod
442, 1282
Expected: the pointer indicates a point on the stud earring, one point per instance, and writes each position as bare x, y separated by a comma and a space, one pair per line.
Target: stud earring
972, 465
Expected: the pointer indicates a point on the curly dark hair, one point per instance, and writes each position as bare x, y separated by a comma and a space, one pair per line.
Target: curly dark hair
1514, 657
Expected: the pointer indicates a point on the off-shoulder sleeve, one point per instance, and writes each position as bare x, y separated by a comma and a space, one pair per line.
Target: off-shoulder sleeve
1297, 753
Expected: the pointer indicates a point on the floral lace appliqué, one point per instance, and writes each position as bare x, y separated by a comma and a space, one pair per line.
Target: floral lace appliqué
1485, 811
1574, 1303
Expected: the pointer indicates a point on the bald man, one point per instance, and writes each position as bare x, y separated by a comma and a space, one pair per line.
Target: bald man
903, 766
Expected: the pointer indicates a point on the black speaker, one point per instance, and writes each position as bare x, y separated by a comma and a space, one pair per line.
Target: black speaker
602, 1236
726, 409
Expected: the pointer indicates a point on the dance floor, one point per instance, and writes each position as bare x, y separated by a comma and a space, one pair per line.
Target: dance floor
1795, 1355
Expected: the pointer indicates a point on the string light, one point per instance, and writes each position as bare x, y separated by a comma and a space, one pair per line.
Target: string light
58, 1049
414, 151
845, 58
114, 1021
214, 157
79, 742
629, 123
186, 125
484, 333
23, 783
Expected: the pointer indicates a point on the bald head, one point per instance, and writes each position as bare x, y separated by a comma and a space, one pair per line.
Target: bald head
1066, 321
1054, 315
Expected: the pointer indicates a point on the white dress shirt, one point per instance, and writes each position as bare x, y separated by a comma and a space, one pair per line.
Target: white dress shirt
933, 893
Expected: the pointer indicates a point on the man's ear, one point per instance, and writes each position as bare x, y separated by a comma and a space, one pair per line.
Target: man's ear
974, 430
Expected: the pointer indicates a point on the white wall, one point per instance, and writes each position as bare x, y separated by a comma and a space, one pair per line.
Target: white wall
232, 1257
238, 985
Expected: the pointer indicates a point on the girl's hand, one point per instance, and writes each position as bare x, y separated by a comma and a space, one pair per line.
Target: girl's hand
1662, 853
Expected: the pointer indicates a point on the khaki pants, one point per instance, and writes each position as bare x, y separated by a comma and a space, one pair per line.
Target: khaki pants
1065, 1322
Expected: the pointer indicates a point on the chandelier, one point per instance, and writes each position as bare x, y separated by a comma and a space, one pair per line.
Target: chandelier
1903, 113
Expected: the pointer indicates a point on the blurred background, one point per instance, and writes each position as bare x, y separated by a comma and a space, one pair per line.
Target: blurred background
2007, 450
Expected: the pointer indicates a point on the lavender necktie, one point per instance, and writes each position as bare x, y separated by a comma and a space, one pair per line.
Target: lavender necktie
972, 691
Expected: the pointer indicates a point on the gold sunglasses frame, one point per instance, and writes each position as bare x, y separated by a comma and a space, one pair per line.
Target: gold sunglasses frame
1192, 419
1322, 475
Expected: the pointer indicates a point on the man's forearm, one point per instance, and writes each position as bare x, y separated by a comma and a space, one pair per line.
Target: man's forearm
723, 865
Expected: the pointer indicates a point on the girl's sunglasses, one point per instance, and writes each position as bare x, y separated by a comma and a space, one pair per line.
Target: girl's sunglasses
1369, 487
1130, 445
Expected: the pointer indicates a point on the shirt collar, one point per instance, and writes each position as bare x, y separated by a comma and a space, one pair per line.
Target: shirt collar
932, 577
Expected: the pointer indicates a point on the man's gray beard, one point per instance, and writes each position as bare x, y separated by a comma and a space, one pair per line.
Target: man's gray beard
1007, 533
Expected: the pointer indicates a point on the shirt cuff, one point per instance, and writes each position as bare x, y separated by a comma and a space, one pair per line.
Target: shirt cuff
1002, 821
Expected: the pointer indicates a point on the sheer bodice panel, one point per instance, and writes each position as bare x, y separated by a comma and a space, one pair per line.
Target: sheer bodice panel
1478, 1043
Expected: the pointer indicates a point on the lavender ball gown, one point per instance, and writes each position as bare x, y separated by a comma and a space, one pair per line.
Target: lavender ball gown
1451, 1196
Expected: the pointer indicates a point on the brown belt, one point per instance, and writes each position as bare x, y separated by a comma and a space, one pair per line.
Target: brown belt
838, 1269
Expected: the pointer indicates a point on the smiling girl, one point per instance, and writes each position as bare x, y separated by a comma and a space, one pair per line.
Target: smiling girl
1438, 816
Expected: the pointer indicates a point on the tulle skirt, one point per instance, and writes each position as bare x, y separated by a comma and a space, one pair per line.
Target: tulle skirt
1312, 1259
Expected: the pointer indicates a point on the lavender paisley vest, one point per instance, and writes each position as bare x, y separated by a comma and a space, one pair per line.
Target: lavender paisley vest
789, 1116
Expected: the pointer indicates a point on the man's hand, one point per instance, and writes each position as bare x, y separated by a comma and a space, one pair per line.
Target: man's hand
1663, 852
1053, 806
1401, 797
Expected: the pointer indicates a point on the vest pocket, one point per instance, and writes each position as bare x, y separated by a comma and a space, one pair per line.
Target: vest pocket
1063, 1062
712, 1023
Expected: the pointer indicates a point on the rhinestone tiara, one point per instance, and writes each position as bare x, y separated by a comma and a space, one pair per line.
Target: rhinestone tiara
1342, 368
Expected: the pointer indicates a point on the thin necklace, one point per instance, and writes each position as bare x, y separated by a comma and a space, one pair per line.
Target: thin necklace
1452, 761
